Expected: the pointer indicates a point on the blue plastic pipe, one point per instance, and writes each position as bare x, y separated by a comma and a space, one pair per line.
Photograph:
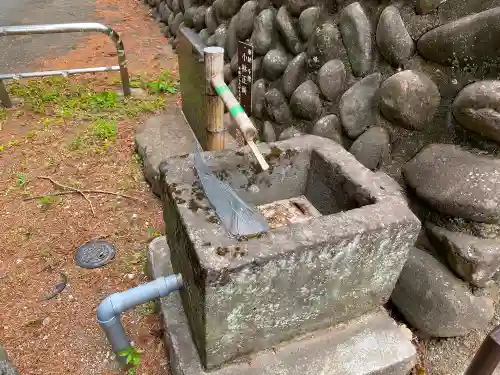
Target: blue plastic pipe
110, 309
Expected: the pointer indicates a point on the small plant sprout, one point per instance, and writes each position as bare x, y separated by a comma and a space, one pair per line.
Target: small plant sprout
30, 134
21, 179
163, 84
146, 309
3, 115
153, 233
76, 144
137, 158
103, 100
46, 201
132, 358
104, 130
13, 143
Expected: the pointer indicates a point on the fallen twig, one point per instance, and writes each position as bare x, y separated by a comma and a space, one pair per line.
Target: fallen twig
82, 192
94, 191
72, 189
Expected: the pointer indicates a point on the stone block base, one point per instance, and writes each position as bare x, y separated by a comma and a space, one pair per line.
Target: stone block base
371, 344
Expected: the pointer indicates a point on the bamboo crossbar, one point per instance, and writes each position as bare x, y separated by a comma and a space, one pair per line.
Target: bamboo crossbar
217, 94
240, 117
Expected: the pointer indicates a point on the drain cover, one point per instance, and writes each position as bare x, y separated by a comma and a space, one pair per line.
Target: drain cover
94, 254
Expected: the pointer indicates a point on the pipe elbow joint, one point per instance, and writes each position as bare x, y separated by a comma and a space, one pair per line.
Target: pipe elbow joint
115, 304
106, 310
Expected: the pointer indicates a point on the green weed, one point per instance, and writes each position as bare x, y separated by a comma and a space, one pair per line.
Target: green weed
62, 99
37, 93
47, 201
13, 143
146, 309
133, 108
21, 179
50, 96
77, 144
137, 81
153, 233
46, 122
132, 359
30, 134
137, 158
104, 130
163, 84
3, 115
103, 100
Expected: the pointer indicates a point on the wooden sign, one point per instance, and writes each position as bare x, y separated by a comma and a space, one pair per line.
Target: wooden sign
245, 76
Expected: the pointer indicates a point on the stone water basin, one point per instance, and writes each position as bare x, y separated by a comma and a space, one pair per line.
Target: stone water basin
337, 260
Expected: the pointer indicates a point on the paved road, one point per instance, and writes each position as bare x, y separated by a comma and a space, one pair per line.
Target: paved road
19, 53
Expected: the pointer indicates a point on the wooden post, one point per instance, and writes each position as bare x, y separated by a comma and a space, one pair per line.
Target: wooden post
4, 96
214, 107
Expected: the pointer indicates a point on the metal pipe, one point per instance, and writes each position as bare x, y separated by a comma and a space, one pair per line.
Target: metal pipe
488, 356
70, 28
64, 72
110, 309
4, 95
55, 28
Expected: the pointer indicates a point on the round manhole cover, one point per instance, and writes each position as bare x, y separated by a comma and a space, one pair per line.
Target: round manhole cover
94, 254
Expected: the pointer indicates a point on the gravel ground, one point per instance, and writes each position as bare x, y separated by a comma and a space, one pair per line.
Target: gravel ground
61, 336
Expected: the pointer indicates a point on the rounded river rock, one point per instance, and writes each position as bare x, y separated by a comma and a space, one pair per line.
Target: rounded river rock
393, 40
409, 99
477, 108
305, 102
331, 79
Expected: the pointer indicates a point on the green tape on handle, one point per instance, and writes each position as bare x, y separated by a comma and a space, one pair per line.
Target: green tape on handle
220, 89
236, 110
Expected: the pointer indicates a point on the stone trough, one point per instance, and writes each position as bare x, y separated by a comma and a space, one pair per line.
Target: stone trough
317, 280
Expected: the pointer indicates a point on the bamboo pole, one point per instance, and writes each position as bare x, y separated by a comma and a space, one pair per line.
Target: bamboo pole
214, 107
244, 123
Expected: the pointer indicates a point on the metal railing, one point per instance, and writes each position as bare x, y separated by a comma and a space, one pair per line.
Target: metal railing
67, 28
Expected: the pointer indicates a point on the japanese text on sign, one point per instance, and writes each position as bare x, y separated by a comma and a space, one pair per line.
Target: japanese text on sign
245, 76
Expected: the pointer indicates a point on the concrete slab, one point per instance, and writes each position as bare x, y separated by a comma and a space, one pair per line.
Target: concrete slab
370, 345
6, 368
164, 136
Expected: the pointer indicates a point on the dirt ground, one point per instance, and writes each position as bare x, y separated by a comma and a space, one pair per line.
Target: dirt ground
39, 237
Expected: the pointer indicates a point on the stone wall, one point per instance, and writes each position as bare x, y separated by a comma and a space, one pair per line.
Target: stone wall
381, 76
410, 88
